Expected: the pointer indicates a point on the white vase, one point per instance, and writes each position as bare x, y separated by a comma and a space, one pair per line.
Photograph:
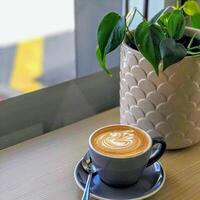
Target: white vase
168, 104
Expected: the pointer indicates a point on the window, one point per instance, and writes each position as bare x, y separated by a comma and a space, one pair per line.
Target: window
74, 88
37, 46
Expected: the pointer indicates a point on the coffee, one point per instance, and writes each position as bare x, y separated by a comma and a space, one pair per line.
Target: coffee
120, 141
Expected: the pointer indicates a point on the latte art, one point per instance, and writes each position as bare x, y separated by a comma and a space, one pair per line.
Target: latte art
120, 142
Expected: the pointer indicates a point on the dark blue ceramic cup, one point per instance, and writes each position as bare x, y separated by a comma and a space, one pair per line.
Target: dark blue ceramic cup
122, 172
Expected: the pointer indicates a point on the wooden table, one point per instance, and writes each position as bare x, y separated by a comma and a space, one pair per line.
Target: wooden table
42, 168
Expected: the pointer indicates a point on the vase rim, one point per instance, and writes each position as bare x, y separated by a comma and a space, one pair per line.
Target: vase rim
189, 31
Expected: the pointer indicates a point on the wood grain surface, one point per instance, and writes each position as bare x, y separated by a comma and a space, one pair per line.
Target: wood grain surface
42, 168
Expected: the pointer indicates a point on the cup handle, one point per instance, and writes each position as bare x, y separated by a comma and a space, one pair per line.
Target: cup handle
158, 152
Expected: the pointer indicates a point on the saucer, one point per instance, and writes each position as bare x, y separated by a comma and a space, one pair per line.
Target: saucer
151, 182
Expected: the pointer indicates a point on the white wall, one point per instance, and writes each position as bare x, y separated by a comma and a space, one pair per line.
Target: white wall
26, 19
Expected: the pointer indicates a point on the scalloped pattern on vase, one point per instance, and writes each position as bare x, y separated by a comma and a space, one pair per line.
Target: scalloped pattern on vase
168, 104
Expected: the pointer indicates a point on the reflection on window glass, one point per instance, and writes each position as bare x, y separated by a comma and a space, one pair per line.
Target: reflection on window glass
37, 47
153, 8
139, 5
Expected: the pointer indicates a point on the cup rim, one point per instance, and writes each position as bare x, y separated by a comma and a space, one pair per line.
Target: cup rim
130, 126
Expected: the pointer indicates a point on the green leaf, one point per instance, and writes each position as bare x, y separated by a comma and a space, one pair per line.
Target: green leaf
163, 20
159, 15
130, 16
191, 8
148, 37
102, 61
195, 21
110, 34
176, 25
171, 52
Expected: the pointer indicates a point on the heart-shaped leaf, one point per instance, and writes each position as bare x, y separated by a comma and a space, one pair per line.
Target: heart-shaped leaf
110, 34
102, 62
116, 36
191, 8
171, 52
159, 15
148, 37
176, 25
195, 21
163, 20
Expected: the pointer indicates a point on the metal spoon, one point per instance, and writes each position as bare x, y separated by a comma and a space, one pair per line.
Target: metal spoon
89, 167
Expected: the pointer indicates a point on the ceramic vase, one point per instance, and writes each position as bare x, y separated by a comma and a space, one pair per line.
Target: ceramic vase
168, 104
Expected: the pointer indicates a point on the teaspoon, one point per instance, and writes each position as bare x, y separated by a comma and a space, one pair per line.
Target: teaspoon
89, 167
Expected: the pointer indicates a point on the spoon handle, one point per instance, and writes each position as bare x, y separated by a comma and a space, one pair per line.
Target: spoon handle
86, 193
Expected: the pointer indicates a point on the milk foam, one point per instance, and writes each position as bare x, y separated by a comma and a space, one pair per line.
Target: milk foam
120, 141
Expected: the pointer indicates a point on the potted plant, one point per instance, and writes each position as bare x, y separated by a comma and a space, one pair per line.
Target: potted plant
160, 70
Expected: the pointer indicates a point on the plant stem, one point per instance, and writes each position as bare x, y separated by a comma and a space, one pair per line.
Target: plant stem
130, 36
164, 11
196, 47
181, 7
177, 6
177, 3
129, 39
129, 32
191, 41
193, 53
141, 14
130, 18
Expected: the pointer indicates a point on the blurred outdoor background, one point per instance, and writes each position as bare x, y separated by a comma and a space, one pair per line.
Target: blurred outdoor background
38, 40
37, 46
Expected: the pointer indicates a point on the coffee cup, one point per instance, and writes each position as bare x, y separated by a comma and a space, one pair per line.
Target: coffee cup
122, 152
